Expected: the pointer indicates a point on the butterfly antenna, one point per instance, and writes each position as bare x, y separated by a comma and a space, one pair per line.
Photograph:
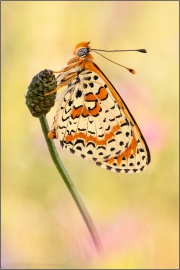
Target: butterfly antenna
129, 69
136, 50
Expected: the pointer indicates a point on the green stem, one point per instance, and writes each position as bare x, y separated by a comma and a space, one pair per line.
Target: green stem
70, 185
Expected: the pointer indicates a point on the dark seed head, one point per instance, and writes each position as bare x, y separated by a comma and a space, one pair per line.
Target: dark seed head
41, 84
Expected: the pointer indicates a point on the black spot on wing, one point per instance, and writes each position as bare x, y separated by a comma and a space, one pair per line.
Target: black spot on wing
77, 80
87, 78
78, 93
126, 123
79, 141
112, 120
91, 85
65, 119
102, 147
81, 129
91, 132
70, 102
100, 136
91, 143
72, 150
108, 128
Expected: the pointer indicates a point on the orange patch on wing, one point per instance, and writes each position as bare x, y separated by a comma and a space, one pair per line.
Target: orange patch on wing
87, 139
109, 135
96, 110
90, 97
111, 160
102, 94
52, 135
85, 112
76, 112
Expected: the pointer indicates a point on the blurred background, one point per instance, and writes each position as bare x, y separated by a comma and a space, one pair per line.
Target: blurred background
136, 215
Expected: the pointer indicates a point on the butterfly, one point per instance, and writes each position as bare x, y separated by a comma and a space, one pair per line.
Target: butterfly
93, 121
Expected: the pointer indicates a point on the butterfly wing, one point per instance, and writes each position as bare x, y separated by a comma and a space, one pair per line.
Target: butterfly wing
93, 122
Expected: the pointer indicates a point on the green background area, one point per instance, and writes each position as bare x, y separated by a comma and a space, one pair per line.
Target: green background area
136, 215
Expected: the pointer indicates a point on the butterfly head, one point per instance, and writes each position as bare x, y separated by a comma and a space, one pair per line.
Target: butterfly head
82, 49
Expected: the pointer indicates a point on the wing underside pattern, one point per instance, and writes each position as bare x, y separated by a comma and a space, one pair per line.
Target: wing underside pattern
91, 123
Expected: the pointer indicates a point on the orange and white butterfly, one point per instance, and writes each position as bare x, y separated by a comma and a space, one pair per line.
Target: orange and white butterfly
93, 121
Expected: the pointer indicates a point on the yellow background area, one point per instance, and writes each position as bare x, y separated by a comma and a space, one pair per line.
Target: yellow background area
136, 214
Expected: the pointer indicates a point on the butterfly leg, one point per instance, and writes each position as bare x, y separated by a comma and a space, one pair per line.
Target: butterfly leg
63, 84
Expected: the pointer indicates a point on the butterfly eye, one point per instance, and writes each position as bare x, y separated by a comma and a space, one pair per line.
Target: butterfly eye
82, 52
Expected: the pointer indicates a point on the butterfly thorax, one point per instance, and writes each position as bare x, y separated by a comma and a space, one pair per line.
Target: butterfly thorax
74, 67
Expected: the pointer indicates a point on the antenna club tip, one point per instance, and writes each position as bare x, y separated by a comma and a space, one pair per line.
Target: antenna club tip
142, 50
132, 71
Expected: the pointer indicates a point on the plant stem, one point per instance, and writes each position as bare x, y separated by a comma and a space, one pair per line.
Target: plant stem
70, 185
